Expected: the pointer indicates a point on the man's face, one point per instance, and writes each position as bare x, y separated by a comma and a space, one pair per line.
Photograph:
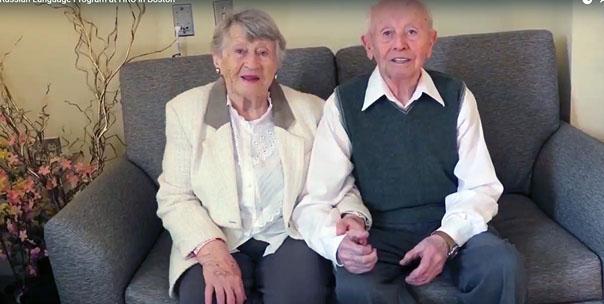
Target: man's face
400, 40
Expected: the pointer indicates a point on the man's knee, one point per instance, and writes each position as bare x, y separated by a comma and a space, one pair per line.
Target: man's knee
506, 264
494, 270
357, 288
491, 256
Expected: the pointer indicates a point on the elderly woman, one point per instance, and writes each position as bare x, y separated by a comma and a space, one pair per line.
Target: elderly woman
236, 156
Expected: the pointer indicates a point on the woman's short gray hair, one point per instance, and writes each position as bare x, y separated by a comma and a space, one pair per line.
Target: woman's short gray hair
257, 25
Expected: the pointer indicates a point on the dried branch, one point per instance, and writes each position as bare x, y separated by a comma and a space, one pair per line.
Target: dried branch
101, 65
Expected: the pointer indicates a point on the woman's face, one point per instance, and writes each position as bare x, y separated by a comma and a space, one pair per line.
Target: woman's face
248, 67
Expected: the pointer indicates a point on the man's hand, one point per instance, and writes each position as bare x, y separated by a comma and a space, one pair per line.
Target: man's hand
221, 274
354, 252
433, 254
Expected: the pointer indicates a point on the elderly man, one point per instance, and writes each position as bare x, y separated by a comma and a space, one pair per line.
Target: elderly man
410, 143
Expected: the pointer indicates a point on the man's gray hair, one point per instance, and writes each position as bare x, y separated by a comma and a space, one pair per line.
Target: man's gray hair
413, 3
257, 25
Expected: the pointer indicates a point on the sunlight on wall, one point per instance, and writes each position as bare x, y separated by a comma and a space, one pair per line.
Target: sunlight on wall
587, 72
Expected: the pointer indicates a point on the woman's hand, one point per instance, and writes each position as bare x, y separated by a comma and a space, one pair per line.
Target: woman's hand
221, 274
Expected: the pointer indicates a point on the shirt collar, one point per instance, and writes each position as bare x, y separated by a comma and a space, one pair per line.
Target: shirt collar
376, 88
266, 116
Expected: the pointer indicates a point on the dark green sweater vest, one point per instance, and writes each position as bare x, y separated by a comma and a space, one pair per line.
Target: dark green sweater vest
403, 160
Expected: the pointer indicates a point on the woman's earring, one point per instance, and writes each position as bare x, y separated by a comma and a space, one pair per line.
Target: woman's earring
275, 76
217, 70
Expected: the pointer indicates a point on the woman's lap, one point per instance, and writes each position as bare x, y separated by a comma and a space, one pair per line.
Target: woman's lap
293, 274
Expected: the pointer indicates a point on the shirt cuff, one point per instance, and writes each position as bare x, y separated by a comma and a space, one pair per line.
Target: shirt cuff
331, 245
360, 215
195, 251
460, 229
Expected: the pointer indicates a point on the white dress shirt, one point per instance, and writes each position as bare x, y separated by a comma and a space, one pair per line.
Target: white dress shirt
330, 172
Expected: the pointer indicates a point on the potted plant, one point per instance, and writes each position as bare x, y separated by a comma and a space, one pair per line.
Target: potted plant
38, 178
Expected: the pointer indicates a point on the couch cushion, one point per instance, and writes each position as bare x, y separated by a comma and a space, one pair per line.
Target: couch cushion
150, 283
514, 78
148, 85
560, 268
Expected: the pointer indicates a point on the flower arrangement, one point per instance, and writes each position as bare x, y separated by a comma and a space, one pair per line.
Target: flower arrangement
36, 179
35, 183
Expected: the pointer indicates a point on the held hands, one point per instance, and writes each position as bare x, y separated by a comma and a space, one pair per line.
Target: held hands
355, 252
221, 274
432, 252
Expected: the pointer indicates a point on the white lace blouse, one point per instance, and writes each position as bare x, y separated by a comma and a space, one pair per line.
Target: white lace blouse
259, 179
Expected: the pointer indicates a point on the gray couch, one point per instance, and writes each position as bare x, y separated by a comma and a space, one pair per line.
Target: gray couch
108, 246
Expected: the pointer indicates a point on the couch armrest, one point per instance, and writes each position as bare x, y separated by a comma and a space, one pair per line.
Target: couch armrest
99, 239
568, 184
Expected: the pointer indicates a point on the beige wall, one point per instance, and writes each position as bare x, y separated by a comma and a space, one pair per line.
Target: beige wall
587, 70
45, 53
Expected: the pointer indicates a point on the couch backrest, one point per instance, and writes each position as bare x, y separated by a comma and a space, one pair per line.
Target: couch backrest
146, 86
514, 78
512, 74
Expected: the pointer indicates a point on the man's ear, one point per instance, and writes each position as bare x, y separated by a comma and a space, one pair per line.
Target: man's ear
366, 40
433, 38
